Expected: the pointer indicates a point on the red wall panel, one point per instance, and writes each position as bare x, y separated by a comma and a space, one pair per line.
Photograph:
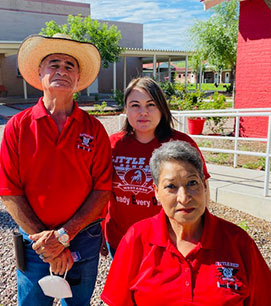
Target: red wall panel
253, 72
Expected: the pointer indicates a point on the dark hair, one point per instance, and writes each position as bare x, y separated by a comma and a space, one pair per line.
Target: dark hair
164, 128
175, 151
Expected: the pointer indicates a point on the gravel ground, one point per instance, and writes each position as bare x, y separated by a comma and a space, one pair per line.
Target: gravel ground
258, 229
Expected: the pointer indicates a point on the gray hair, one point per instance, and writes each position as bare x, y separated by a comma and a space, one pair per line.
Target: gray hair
175, 151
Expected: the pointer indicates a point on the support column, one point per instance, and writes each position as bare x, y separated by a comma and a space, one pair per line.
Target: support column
1, 73
186, 69
114, 78
200, 76
158, 70
154, 66
25, 89
169, 70
124, 72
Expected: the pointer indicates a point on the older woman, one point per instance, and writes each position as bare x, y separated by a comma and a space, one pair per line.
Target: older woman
185, 255
149, 123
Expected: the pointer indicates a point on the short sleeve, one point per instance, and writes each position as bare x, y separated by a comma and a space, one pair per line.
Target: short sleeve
102, 164
259, 277
123, 270
10, 183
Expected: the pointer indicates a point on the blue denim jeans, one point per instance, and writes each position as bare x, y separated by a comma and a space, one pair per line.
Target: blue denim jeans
81, 277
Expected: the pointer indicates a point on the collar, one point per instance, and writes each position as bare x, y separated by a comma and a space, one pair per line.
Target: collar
159, 231
210, 230
160, 236
39, 111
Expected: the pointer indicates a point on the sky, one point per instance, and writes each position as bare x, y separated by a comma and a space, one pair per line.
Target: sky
166, 23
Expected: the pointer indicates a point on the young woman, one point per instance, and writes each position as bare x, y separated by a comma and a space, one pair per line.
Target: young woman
149, 123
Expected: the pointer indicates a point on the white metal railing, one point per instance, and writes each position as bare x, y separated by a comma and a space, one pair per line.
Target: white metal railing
236, 114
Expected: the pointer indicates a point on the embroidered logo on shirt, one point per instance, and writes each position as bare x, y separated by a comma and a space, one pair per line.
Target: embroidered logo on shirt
226, 272
84, 142
134, 175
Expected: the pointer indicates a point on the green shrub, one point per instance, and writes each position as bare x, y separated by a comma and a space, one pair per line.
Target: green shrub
169, 89
119, 97
216, 101
76, 95
188, 101
100, 107
96, 97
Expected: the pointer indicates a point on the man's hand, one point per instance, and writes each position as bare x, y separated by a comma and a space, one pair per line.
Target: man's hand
46, 245
61, 263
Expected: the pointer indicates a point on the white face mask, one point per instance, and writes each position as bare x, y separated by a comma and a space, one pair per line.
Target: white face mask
55, 286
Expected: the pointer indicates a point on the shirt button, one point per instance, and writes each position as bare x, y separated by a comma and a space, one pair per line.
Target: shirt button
187, 283
187, 270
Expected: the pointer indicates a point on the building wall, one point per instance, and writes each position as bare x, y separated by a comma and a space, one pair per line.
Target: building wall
253, 86
132, 37
60, 7
20, 18
133, 69
224, 74
132, 33
191, 77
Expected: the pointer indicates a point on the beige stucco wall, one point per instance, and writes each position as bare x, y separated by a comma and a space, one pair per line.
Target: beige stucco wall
1, 68
132, 37
133, 69
12, 82
18, 19
132, 33
46, 7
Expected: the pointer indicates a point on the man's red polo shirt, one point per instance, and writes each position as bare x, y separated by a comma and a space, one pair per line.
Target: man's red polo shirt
225, 268
55, 172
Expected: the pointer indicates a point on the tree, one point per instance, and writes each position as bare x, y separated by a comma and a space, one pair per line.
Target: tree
216, 38
105, 38
197, 65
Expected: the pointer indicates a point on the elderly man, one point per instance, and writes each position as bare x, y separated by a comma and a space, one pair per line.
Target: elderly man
55, 174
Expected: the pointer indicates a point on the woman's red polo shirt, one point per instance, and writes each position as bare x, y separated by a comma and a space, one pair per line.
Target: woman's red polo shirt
225, 268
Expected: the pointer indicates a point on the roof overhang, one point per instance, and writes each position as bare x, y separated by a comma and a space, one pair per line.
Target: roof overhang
210, 3
147, 55
8, 48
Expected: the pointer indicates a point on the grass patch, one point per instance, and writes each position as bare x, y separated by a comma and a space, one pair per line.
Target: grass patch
206, 144
218, 158
100, 113
243, 225
259, 164
208, 87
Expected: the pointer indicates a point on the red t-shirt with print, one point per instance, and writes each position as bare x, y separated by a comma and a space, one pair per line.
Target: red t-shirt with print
133, 196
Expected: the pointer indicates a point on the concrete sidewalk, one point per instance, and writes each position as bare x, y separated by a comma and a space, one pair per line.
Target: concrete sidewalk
241, 189
8, 110
235, 187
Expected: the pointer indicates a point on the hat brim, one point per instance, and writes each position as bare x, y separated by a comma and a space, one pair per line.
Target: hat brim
36, 47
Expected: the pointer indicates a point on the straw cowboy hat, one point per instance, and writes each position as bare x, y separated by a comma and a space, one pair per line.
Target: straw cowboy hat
36, 47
